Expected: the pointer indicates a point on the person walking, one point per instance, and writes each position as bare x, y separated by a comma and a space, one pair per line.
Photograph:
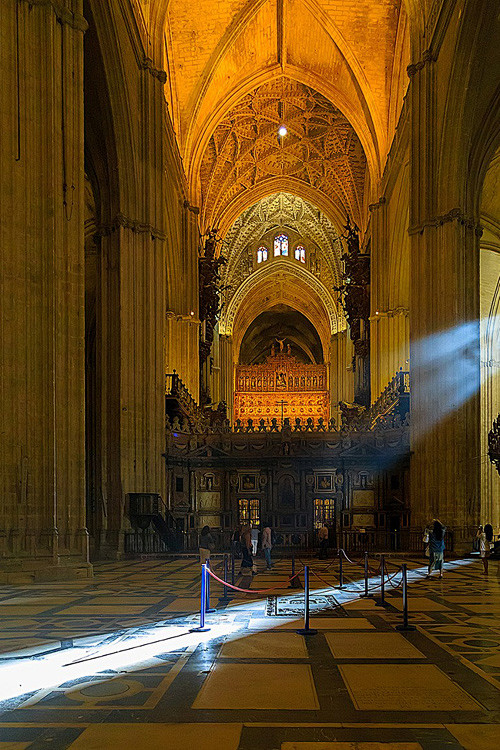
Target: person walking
236, 542
267, 544
323, 542
206, 544
255, 539
485, 538
436, 547
246, 550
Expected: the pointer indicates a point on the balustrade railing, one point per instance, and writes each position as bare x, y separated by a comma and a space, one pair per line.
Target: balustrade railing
397, 389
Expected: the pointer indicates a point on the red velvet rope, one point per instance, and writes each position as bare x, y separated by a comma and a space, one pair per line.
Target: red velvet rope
251, 591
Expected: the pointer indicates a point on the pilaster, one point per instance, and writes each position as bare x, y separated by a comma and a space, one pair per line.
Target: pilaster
42, 294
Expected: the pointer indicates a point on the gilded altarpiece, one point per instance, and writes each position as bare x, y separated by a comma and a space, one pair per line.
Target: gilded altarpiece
281, 387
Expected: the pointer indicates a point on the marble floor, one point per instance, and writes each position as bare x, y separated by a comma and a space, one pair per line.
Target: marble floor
112, 663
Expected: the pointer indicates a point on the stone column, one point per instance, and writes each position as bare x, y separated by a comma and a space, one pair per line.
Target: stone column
42, 292
444, 331
226, 373
341, 375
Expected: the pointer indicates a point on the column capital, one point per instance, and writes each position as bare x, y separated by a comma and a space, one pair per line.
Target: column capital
147, 64
375, 206
135, 225
455, 214
427, 57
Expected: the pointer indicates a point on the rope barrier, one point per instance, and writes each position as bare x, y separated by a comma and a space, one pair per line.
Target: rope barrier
251, 591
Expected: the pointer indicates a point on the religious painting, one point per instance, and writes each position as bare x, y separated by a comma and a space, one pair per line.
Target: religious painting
248, 482
324, 482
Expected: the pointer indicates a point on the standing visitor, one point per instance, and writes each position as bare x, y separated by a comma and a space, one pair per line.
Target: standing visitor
485, 537
267, 545
323, 542
236, 542
246, 550
255, 539
436, 547
206, 544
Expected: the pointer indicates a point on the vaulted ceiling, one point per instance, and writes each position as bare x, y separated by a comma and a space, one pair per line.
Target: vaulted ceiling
227, 64
320, 153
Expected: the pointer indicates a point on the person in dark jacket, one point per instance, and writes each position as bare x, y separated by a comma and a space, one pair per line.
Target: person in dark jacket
206, 544
436, 547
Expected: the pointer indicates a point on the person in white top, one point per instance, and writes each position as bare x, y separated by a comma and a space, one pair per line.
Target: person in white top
254, 534
485, 537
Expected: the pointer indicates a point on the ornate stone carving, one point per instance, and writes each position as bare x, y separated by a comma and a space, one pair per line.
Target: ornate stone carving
229, 313
494, 444
209, 265
321, 148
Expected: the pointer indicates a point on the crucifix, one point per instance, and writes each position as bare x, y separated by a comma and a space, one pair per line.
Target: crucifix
282, 403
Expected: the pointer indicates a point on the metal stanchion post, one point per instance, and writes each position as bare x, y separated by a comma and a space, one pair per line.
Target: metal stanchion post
366, 594
405, 625
232, 569
341, 570
293, 583
224, 599
306, 630
203, 602
381, 602
207, 587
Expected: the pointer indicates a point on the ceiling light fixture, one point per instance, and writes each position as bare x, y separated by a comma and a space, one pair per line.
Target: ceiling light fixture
282, 131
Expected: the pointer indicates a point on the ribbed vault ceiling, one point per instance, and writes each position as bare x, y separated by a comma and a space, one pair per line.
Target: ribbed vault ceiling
321, 149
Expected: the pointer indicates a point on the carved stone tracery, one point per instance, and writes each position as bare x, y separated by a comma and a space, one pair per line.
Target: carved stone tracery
321, 148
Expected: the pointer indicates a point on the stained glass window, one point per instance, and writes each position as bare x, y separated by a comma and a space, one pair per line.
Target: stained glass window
261, 254
281, 245
300, 253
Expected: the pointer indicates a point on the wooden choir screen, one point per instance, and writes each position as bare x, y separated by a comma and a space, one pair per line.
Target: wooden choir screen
281, 387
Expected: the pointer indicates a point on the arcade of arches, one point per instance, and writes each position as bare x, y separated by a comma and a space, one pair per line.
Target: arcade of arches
288, 211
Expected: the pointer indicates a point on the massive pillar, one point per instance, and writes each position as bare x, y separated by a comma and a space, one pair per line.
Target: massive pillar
42, 523
444, 330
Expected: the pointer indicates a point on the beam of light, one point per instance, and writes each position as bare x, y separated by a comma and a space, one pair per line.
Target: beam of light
445, 373
22, 673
